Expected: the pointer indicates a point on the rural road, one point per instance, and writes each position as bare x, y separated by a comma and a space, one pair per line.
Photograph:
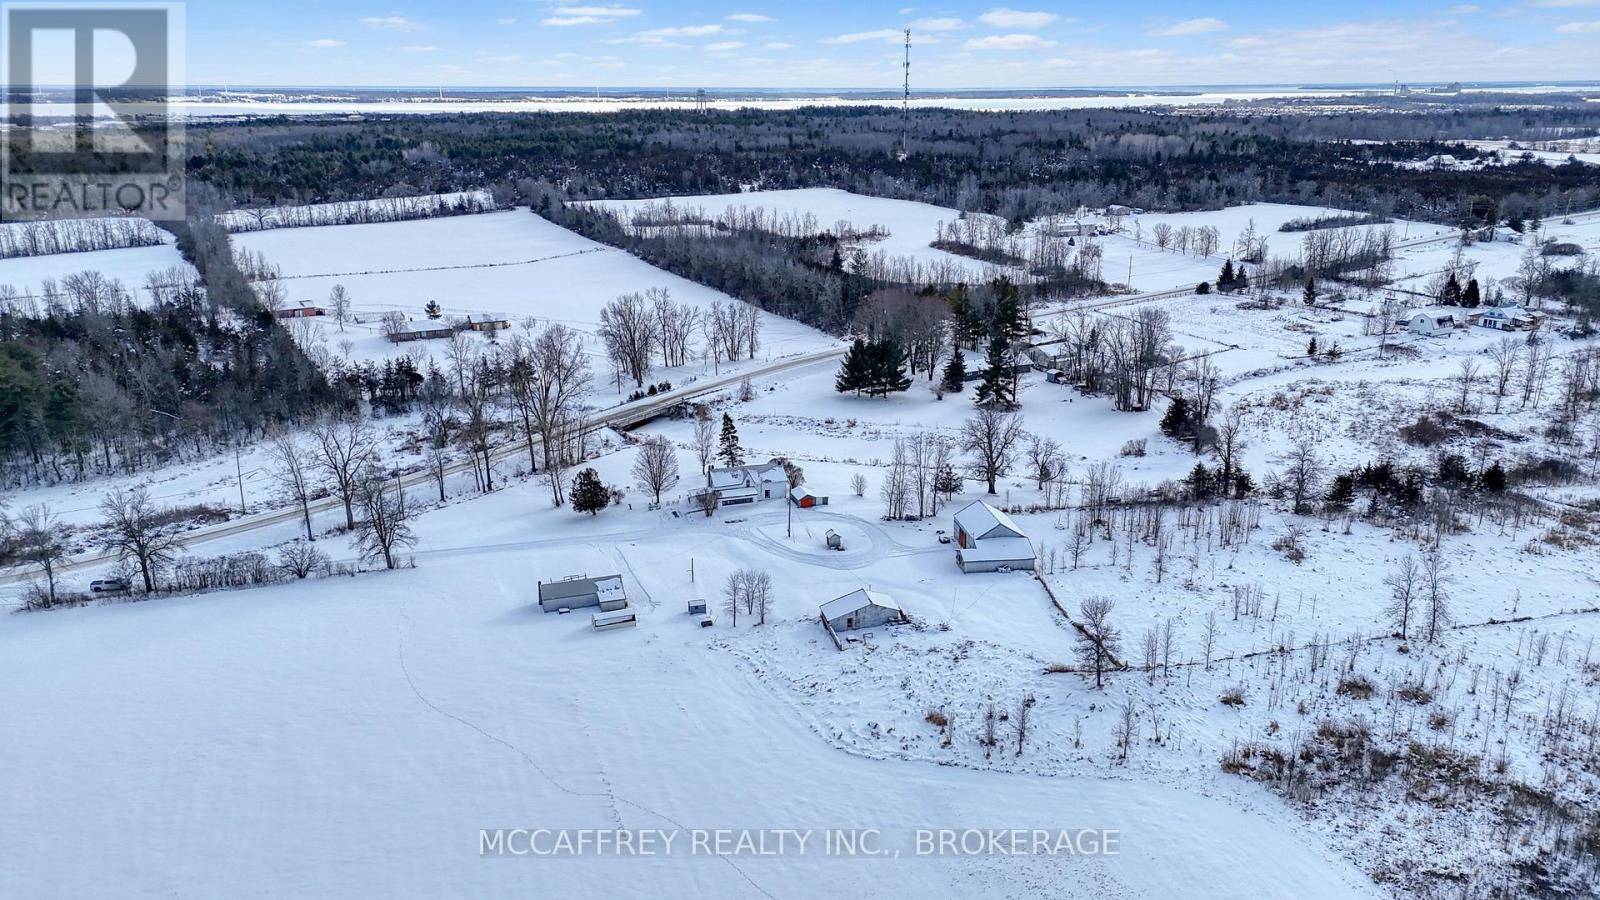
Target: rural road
622, 416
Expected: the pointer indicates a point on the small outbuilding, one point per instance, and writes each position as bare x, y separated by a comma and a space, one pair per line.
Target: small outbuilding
802, 497
579, 591
303, 311
861, 609
619, 618
1431, 322
697, 607
988, 540
834, 540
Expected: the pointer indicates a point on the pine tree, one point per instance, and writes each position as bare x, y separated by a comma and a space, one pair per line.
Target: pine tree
1175, 424
1007, 320
432, 309
947, 482
1493, 478
853, 371
589, 494
1451, 295
965, 323
729, 450
1202, 484
1473, 296
888, 372
995, 388
1343, 491
955, 373
1311, 348
1310, 293
1225, 280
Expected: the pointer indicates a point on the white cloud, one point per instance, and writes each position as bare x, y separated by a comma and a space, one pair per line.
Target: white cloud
778, 45
724, 46
419, 48
322, 44
750, 17
502, 60
588, 15
1001, 17
1206, 25
945, 23
1563, 4
390, 23
1009, 42
1580, 28
506, 21
882, 35
1464, 9
685, 31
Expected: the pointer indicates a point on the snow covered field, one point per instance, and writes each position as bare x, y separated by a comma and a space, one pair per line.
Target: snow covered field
511, 263
130, 266
366, 730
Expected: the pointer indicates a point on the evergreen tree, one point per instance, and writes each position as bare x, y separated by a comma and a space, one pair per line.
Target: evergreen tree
1310, 293
1203, 288
432, 309
589, 495
1493, 478
947, 482
1175, 424
888, 370
965, 322
996, 389
729, 450
1008, 320
1311, 348
1201, 483
1473, 296
855, 369
1225, 280
1343, 491
1451, 295
955, 373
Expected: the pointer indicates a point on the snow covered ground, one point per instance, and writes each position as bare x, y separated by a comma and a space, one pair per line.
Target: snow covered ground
511, 263
367, 729
130, 266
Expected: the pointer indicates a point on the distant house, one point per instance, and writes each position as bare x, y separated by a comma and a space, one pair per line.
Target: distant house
579, 591
1432, 322
861, 609
987, 540
1507, 318
483, 323
802, 497
303, 311
741, 485
408, 332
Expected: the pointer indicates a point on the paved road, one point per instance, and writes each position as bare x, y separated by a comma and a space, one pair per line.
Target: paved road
628, 414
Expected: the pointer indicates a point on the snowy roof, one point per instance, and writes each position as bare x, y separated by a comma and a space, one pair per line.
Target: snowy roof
979, 519
800, 492
1508, 312
855, 601
606, 587
1003, 549
746, 476
616, 615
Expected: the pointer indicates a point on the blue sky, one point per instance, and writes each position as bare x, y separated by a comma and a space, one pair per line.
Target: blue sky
674, 44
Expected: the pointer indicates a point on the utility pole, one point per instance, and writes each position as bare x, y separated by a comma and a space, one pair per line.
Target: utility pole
905, 102
238, 469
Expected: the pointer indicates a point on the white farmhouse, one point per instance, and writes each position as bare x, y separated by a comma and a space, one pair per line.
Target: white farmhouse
987, 540
1431, 322
740, 485
1507, 318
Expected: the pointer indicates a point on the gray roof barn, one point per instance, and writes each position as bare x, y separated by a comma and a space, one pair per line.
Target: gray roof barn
577, 591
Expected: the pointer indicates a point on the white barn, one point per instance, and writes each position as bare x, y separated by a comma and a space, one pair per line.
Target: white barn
861, 609
988, 540
1432, 322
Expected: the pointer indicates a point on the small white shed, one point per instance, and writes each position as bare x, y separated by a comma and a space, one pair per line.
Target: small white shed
861, 609
1431, 322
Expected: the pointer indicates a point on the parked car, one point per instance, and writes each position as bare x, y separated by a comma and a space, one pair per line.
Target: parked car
108, 586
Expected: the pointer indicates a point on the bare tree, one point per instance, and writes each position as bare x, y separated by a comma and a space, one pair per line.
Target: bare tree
1024, 719
1504, 356
293, 464
705, 442
1230, 443
1403, 584
342, 449
1466, 379
339, 304
1098, 639
136, 532
1303, 470
301, 558
991, 437
1127, 727
1208, 637
733, 595
858, 484
37, 538
628, 330
385, 520
656, 466
758, 593
560, 381
1435, 598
